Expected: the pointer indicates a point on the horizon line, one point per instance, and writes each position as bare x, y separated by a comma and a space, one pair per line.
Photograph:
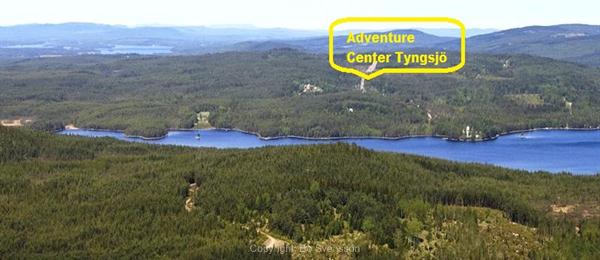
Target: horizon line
252, 26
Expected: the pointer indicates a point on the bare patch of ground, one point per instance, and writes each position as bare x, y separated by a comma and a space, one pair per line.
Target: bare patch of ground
71, 127
370, 69
562, 209
202, 120
271, 242
189, 201
581, 210
14, 122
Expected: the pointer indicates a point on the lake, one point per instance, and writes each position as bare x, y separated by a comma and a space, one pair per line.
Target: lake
27, 46
136, 49
555, 151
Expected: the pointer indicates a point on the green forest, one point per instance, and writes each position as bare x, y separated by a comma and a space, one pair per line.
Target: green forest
264, 92
72, 197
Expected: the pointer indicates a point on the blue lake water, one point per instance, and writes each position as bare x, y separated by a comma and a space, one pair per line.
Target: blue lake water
136, 49
27, 46
577, 152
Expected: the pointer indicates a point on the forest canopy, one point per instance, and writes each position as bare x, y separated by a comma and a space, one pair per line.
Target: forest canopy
286, 92
72, 197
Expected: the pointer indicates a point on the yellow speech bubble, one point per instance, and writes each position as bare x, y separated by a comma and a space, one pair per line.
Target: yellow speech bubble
374, 74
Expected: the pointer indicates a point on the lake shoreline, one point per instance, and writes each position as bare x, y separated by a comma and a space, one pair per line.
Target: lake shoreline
556, 150
338, 138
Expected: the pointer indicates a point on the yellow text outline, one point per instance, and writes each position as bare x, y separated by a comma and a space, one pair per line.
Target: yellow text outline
398, 70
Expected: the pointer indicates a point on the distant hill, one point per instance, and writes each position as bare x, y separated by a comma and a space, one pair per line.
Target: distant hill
260, 46
321, 44
68, 39
577, 43
38, 33
262, 91
571, 42
455, 32
81, 32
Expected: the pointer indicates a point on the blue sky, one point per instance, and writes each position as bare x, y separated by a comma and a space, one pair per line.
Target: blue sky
299, 14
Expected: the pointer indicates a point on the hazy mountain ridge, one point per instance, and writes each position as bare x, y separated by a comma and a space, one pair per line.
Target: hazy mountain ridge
79, 31
321, 44
578, 43
572, 42
38, 40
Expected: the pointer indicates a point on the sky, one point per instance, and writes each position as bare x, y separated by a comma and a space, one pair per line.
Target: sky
296, 14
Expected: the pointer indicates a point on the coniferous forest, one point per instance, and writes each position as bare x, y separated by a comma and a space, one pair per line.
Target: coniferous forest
266, 130
287, 92
71, 197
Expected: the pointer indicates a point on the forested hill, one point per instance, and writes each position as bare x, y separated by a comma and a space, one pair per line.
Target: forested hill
100, 198
285, 92
321, 44
578, 43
